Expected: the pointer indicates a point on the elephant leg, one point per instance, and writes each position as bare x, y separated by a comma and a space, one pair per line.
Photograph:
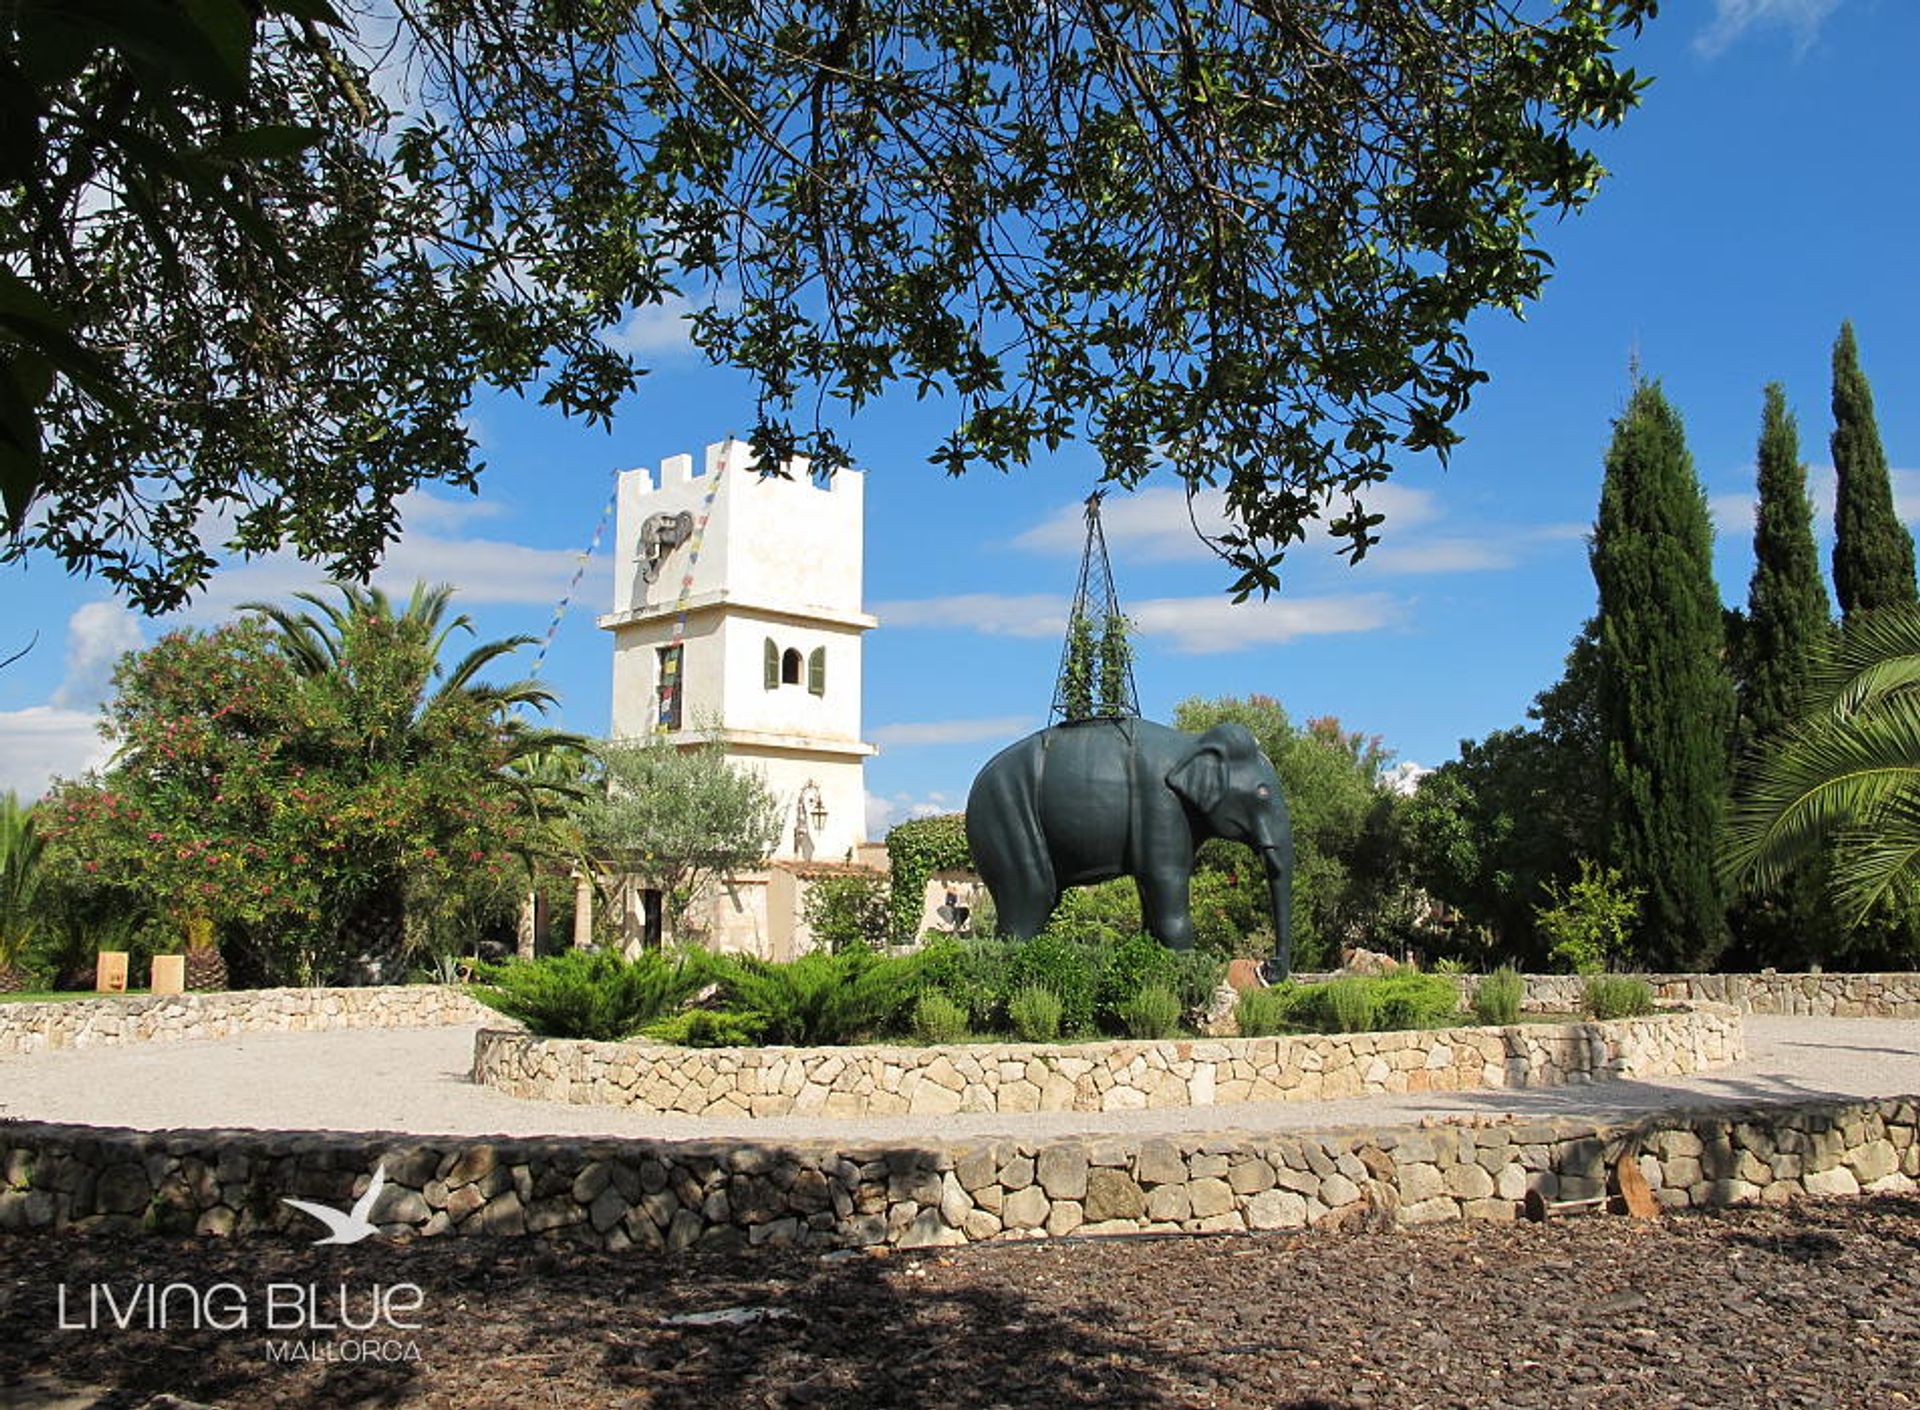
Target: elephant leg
1024, 912
1013, 861
1164, 907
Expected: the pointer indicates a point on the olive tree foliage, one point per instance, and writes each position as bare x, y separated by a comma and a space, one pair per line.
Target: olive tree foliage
1236, 239
676, 819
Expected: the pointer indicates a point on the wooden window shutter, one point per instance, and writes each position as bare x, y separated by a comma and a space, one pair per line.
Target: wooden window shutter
817, 671
771, 659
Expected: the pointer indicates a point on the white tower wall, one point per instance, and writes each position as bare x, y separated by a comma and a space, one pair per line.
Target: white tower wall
780, 562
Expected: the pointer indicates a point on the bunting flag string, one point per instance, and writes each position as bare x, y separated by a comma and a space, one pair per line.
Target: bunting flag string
579, 570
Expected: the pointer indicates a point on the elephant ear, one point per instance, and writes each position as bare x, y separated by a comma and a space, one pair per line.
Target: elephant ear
1201, 777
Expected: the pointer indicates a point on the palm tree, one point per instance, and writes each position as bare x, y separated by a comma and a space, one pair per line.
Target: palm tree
375, 667
1848, 774
396, 706
20, 876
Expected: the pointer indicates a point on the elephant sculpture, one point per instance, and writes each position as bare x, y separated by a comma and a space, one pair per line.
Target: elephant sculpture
1095, 799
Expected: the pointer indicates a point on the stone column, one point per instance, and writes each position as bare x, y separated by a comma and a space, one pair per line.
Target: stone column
582, 912
525, 935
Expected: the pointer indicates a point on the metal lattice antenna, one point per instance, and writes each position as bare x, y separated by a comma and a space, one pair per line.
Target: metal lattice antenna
1096, 663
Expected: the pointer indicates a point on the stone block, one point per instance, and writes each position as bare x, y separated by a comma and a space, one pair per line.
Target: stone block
1160, 1163
1420, 1182
1025, 1208
929, 1230
1228, 1223
606, 1210
1276, 1209
1065, 1216
1469, 1182
503, 1216
1250, 1176
1337, 1190
1062, 1171
1873, 1161
1209, 1197
1168, 1204
1837, 1181
1113, 1194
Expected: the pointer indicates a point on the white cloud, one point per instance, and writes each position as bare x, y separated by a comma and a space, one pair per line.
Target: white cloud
664, 330
885, 813
1192, 625
995, 613
1733, 511
480, 570
1153, 525
1732, 19
658, 329
42, 741
98, 635
1204, 626
906, 736
420, 511
1404, 777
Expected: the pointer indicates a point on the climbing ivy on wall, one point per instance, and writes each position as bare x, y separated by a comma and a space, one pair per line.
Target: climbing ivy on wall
917, 849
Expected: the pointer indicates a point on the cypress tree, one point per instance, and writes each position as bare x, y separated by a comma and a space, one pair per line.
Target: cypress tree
1789, 615
1872, 550
1666, 700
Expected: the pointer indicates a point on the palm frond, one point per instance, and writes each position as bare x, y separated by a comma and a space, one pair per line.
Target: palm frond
1827, 776
1878, 859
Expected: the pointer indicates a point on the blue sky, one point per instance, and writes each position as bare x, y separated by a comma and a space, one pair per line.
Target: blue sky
1767, 189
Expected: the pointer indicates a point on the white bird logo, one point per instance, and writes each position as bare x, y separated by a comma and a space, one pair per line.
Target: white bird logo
353, 1226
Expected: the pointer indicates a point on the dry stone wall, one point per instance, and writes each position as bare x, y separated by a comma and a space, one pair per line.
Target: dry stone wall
1802, 995
656, 1196
1111, 1076
1837, 995
27, 1027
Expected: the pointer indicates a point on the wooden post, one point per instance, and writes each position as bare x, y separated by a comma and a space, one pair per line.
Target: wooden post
110, 972
169, 974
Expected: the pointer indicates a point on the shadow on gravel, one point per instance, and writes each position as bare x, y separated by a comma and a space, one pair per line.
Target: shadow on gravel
1882, 1050
591, 1329
1616, 1099
1821, 1227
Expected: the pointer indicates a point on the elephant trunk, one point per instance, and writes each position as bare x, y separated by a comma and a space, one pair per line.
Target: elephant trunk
1279, 864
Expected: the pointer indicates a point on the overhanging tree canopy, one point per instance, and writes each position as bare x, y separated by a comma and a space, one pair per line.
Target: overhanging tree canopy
1240, 240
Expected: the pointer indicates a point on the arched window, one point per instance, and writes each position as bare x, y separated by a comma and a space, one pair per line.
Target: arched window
790, 663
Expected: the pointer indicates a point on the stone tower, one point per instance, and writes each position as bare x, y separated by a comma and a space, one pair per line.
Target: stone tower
737, 617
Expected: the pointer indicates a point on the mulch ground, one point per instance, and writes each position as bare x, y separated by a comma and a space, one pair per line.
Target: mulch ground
1813, 1305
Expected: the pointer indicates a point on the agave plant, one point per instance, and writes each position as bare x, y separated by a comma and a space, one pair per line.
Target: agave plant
1848, 774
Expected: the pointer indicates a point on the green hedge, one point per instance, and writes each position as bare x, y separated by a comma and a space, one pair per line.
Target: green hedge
916, 849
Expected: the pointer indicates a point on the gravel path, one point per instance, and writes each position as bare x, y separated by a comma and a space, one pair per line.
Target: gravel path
1813, 1305
414, 1080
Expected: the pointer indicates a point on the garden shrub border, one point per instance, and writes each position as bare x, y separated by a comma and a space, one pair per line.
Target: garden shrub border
881, 1080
